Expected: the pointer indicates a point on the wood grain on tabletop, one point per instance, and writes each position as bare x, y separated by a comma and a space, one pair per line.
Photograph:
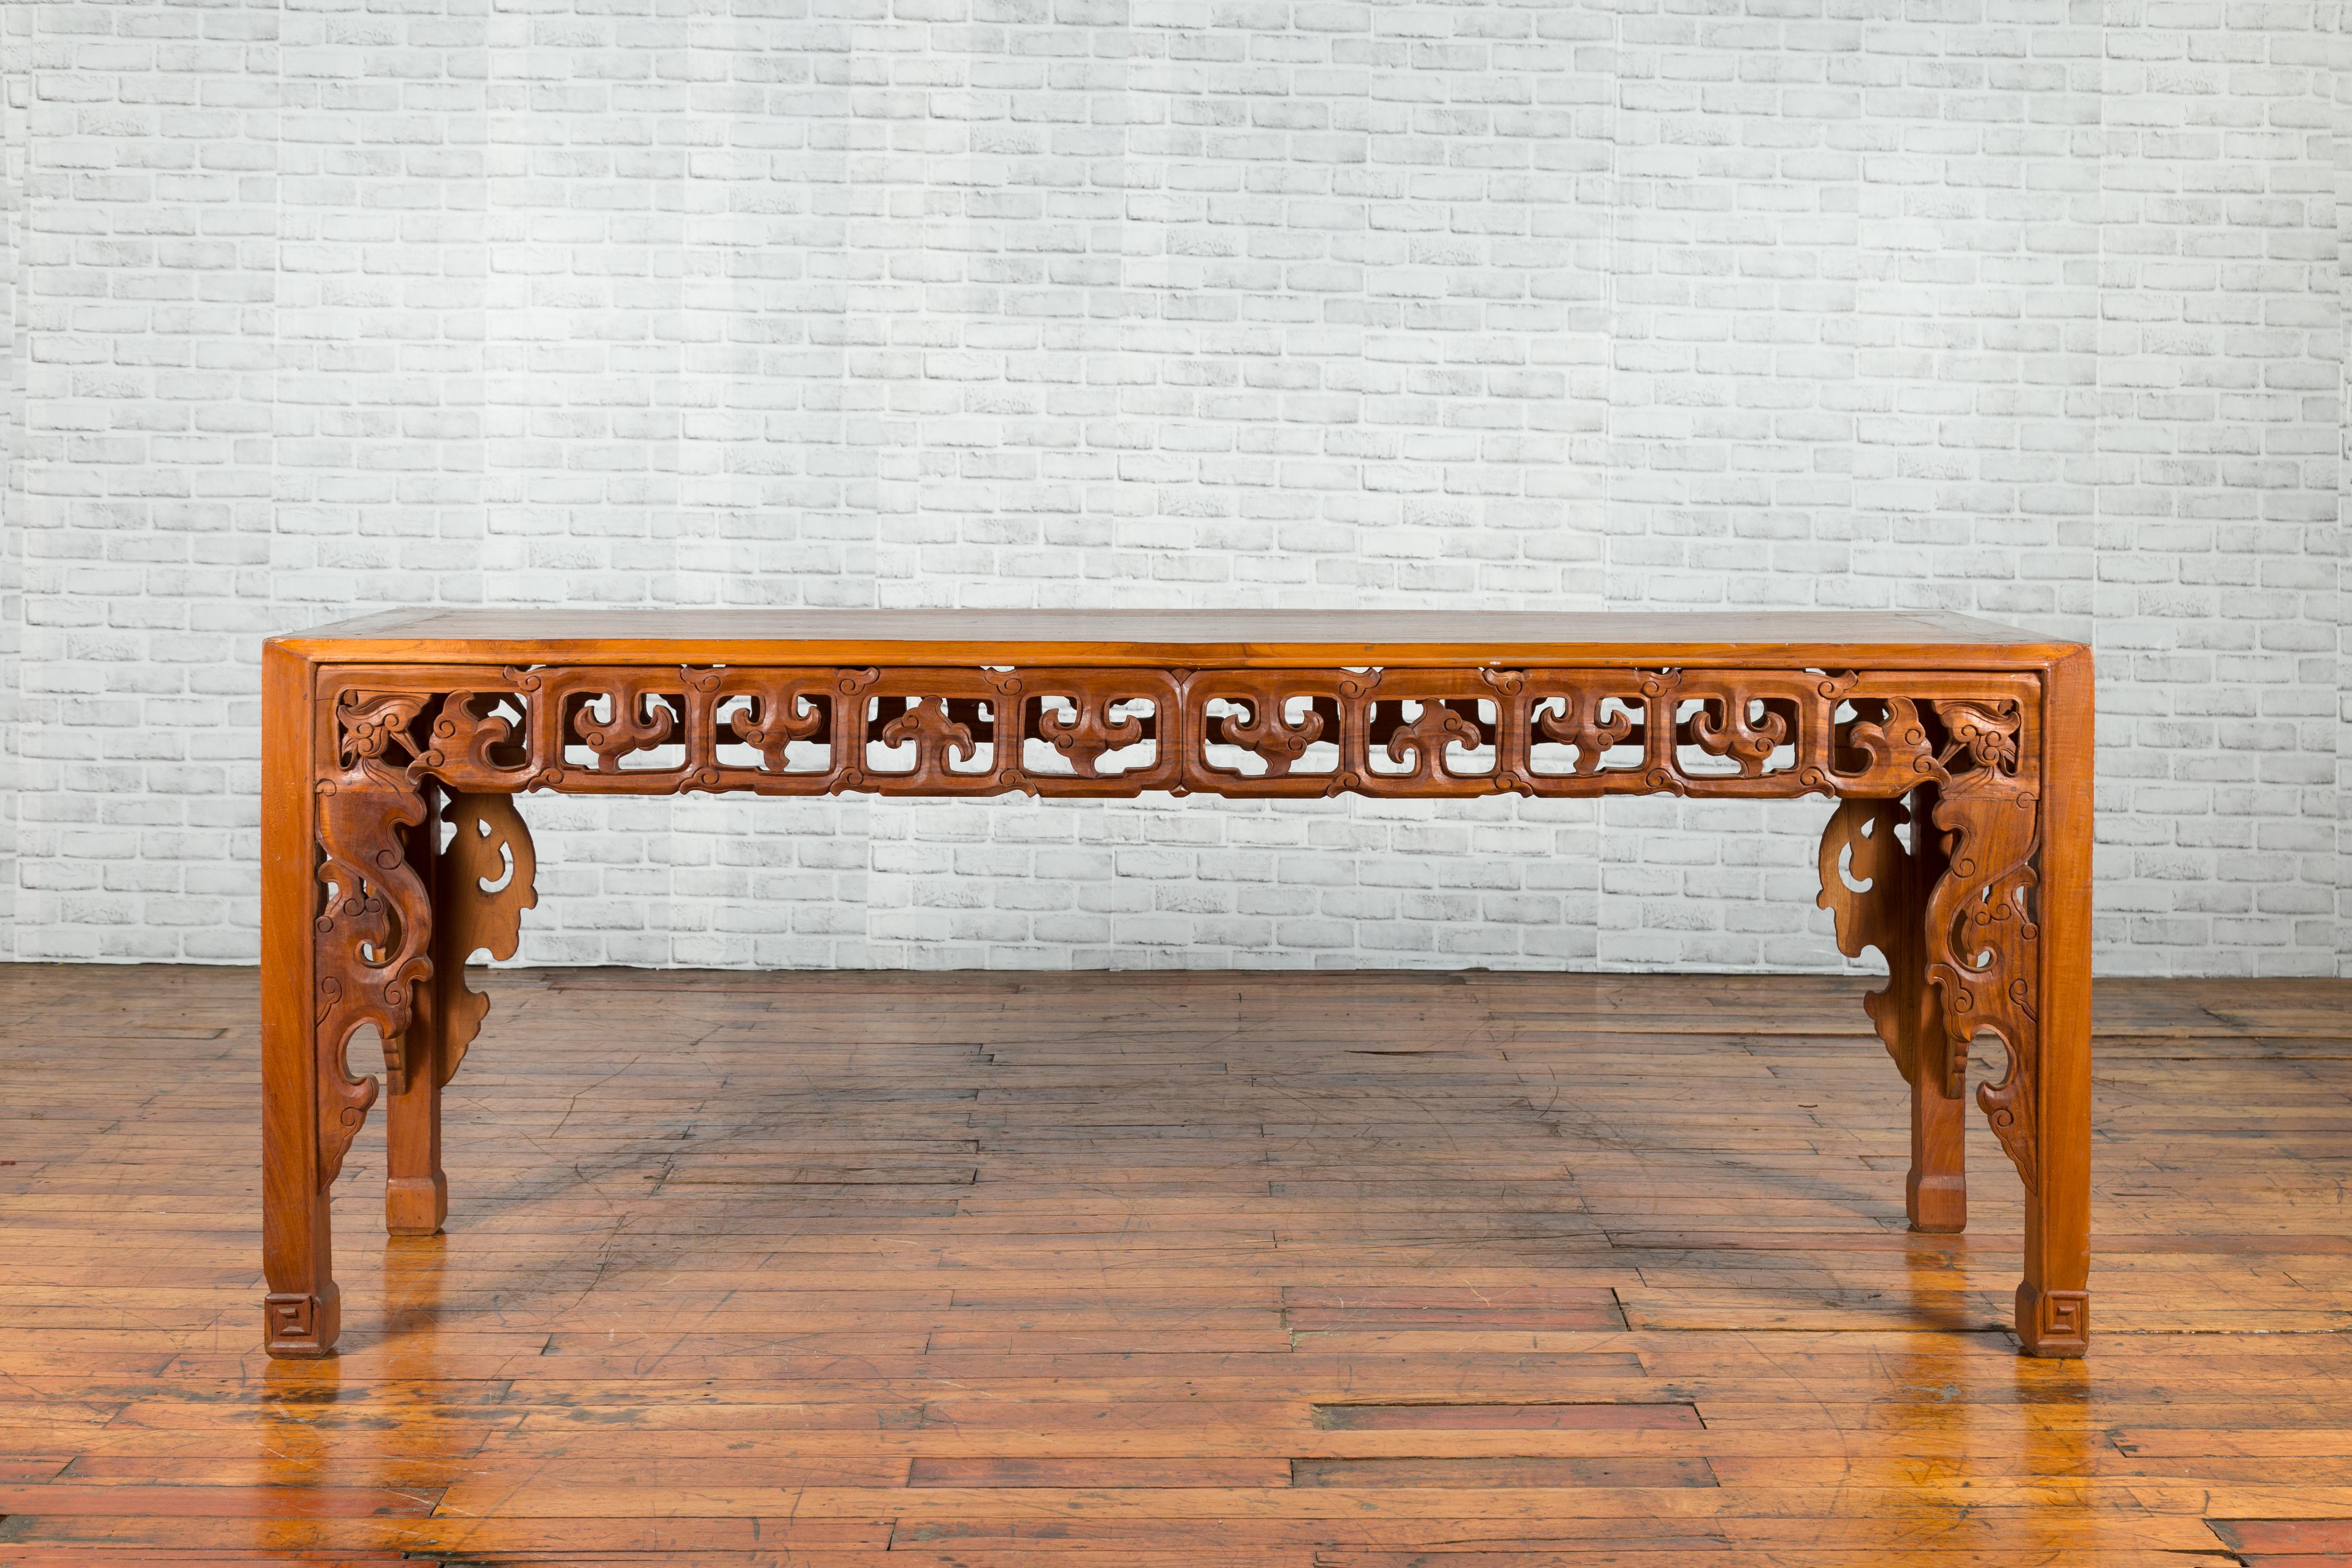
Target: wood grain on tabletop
1313, 1269
1244, 638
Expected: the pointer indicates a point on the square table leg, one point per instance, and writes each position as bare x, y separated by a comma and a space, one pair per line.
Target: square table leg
2054, 1301
302, 1311
1935, 1192
416, 1191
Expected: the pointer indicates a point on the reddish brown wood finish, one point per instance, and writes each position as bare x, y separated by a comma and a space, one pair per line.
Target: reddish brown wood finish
1878, 887
1960, 751
2054, 1301
1935, 1189
302, 1309
487, 850
415, 1190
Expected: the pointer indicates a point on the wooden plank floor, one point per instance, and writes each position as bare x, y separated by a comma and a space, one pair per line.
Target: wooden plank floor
1307, 1270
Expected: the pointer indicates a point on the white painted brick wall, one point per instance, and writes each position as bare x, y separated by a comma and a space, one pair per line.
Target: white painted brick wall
2024, 309
14, 94
2341, 69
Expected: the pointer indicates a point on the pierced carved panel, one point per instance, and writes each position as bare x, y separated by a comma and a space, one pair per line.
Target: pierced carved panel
375, 916
485, 878
1245, 734
1875, 886
1952, 909
1982, 934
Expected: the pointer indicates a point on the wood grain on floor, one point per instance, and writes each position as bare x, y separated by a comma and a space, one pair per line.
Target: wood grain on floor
1141, 1270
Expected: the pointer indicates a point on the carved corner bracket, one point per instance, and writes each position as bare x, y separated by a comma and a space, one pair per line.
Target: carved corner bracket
1952, 910
384, 939
372, 935
1983, 942
1876, 887
1949, 761
483, 880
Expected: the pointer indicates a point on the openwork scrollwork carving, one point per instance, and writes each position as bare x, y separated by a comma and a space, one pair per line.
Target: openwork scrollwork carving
1089, 733
772, 717
484, 879
1942, 885
1241, 732
1748, 730
1572, 717
385, 942
1981, 929
1875, 886
1952, 910
375, 916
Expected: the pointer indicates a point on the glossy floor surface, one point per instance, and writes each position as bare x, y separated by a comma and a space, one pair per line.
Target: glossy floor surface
1298, 1270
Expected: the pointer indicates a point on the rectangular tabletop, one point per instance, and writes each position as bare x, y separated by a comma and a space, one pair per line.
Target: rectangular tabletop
1243, 639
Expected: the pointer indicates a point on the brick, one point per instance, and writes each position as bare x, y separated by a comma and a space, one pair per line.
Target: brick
1317, 306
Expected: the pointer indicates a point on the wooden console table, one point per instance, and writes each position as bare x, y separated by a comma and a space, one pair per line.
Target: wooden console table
392, 748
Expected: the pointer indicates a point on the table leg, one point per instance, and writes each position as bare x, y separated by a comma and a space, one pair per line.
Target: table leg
481, 882
416, 1192
416, 1189
347, 924
1878, 889
302, 1311
1935, 1192
2054, 1301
